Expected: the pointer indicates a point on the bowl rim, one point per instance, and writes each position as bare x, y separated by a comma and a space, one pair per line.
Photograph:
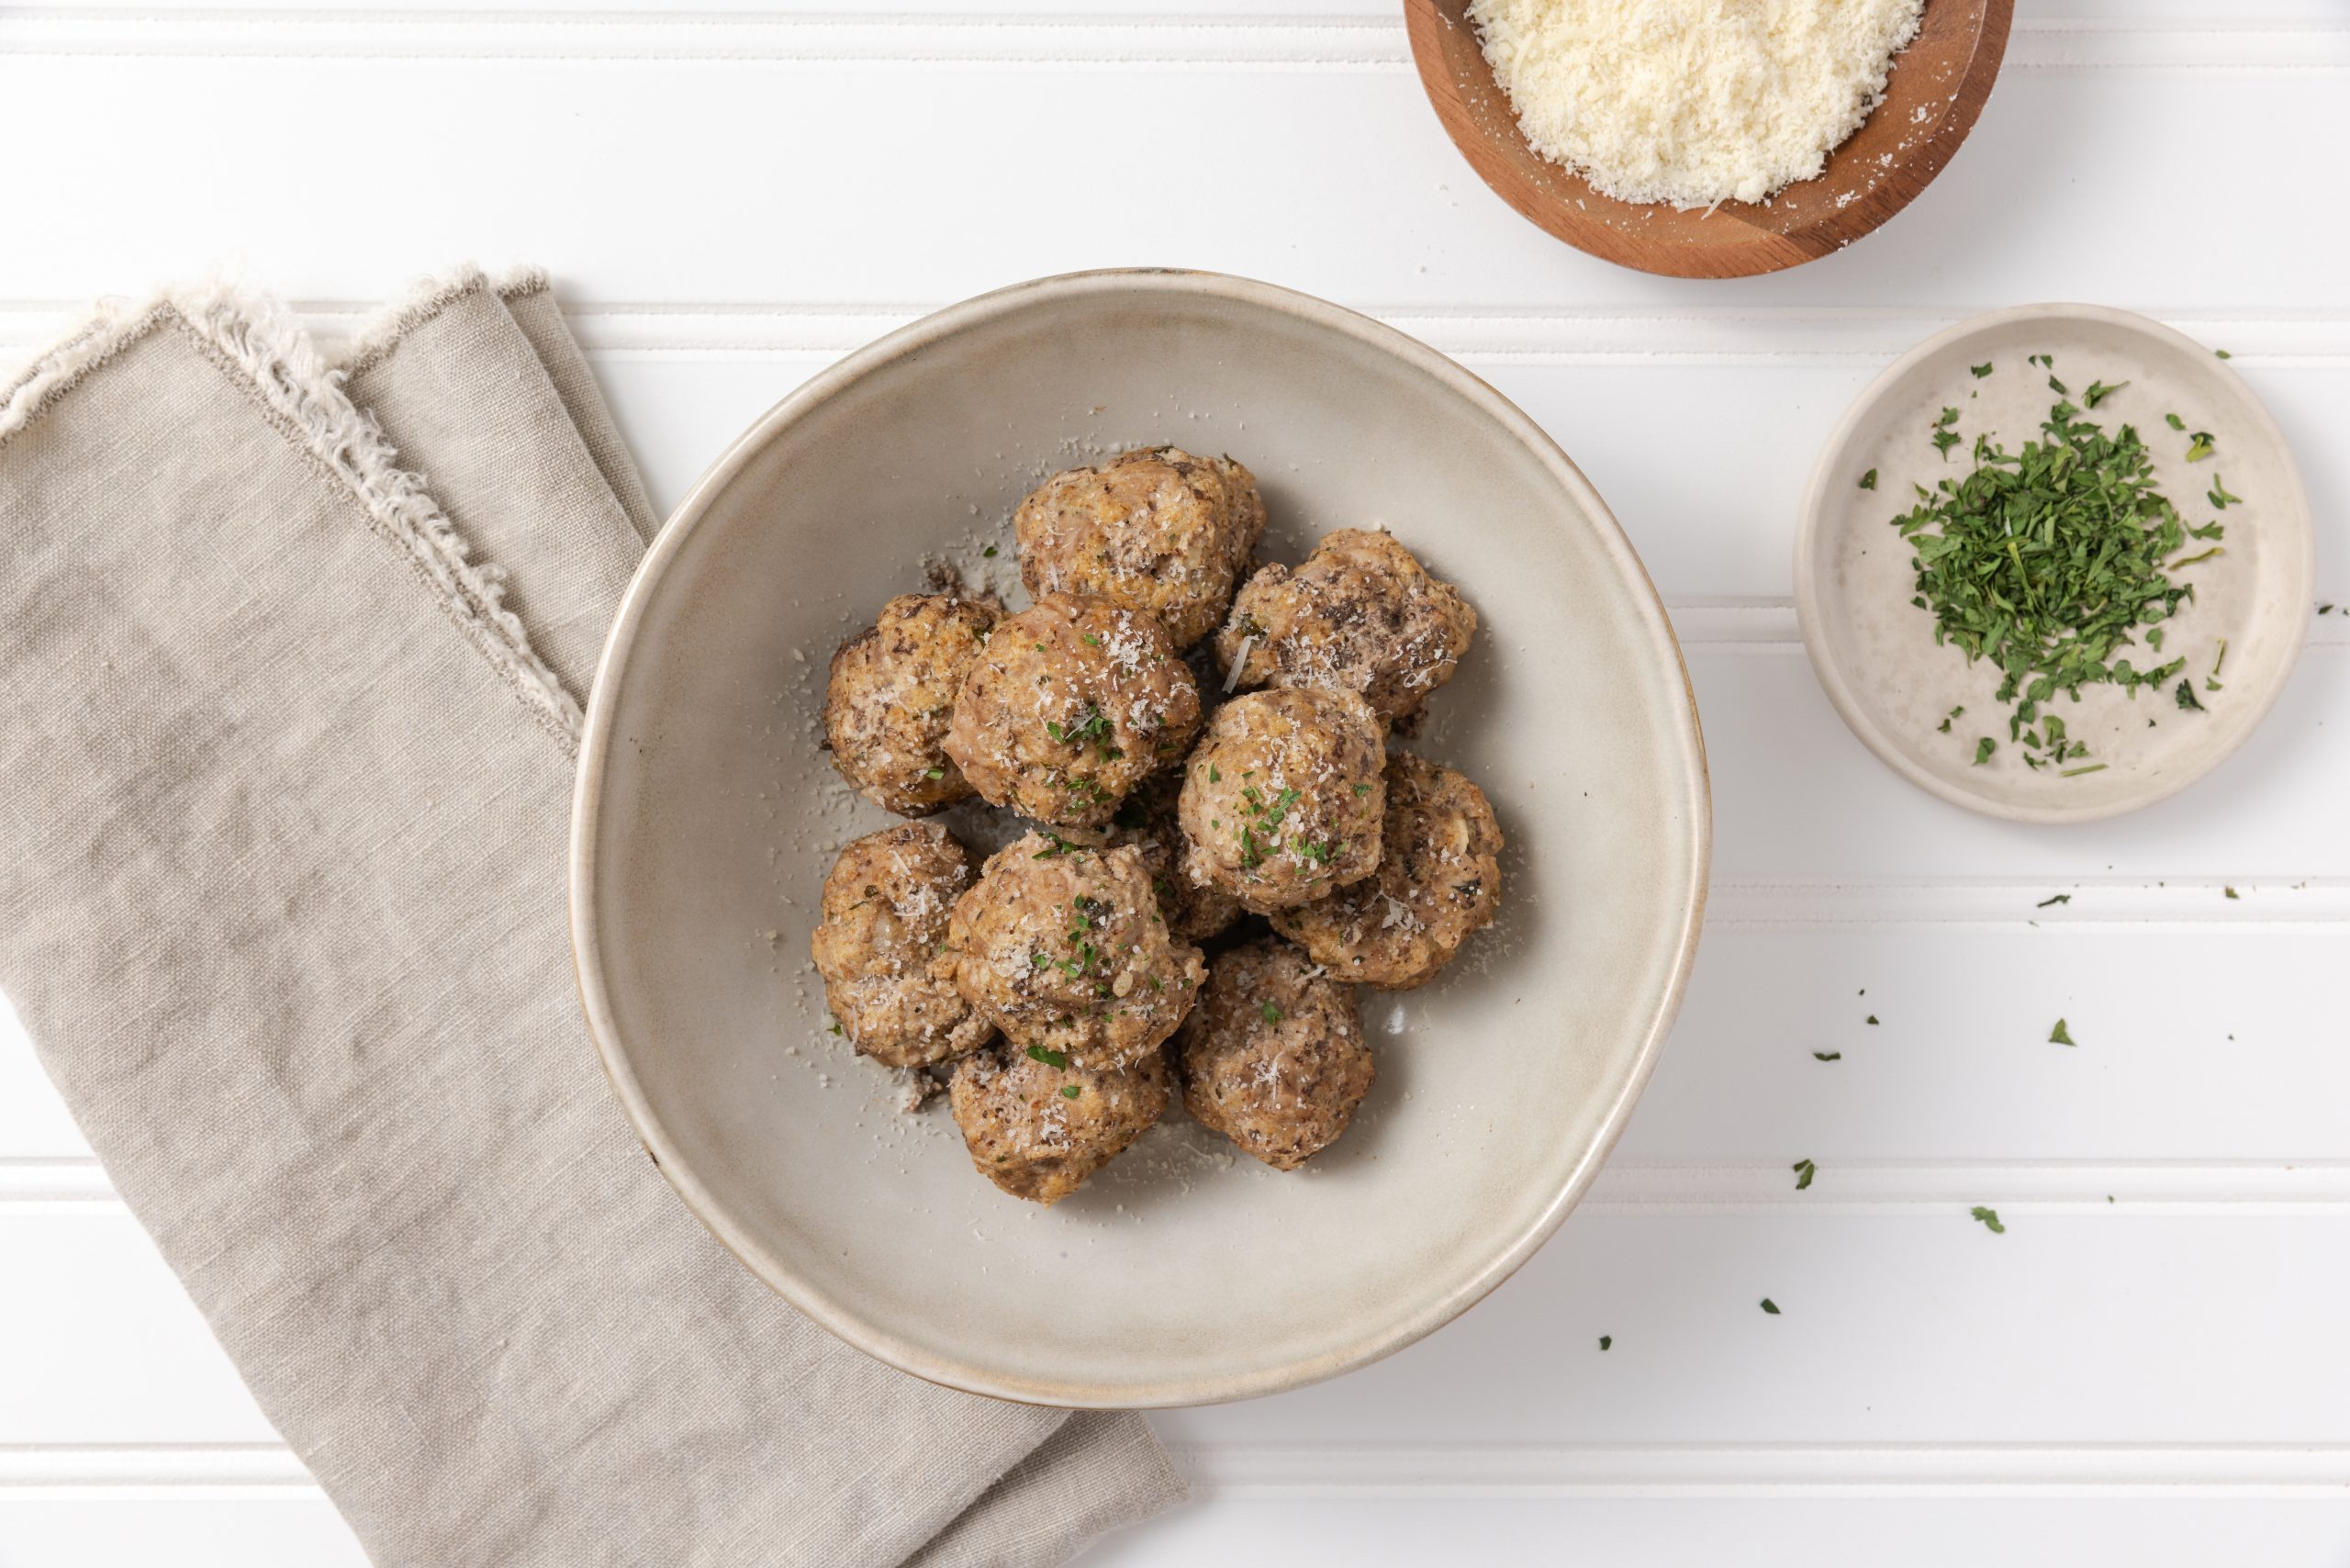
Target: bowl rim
1757, 252
1809, 568
841, 1317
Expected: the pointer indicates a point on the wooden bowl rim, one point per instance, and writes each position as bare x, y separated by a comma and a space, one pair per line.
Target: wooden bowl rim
1752, 249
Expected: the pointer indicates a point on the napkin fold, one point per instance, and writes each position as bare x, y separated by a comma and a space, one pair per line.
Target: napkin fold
291, 660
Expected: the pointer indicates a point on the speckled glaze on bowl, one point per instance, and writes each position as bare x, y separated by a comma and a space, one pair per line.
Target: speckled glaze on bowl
706, 818
1875, 651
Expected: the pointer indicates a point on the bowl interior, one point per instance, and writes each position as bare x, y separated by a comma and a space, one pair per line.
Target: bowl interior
1938, 86
708, 818
1874, 649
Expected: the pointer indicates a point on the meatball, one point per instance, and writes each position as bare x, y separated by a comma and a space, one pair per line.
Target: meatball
1282, 801
1063, 948
1273, 1055
890, 694
881, 946
1147, 820
1073, 703
1037, 1126
1360, 614
1155, 530
1439, 881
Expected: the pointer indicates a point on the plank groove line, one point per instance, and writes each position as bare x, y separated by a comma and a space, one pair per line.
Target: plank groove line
1301, 1471
1365, 44
69, 1186
817, 331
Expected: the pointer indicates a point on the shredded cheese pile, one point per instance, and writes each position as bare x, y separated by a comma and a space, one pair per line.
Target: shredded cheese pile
1692, 102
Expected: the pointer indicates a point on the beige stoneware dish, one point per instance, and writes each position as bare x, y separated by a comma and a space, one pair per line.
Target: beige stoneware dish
706, 818
1873, 650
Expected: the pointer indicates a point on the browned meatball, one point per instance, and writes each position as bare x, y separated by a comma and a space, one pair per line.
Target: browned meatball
1063, 947
1155, 530
1147, 820
1282, 801
1439, 882
1273, 1055
1360, 614
890, 694
1038, 1128
1073, 703
881, 946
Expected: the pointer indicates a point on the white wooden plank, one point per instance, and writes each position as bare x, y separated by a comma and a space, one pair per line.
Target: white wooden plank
1365, 201
1680, 1532
229, 1530
106, 1530
2120, 1327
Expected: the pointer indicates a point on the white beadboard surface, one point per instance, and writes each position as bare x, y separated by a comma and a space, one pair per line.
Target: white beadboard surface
2149, 1367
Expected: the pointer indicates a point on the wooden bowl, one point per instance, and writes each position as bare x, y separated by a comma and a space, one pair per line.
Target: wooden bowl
1938, 86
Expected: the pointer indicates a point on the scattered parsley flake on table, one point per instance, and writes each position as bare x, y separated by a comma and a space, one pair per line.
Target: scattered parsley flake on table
1605, 1340
2061, 1035
2054, 898
1770, 1307
1827, 1055
1805, 1169
1990, 1218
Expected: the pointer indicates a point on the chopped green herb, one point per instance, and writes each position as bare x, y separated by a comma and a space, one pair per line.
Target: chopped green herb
2093, 767
2047, 561
1872, 1018
1049, 1058
1868, 480
1215, 775
1827, 1055
1069, 1091
2175, 422
1984, 747
1272, 1013
2096, 392
1361, 789
1770, 1307
2186, 698
1094, 638
934, 773
2222, 657
988, 552
1943, 442
2218, 494
2231, 892
1944, 726
2060, 1036
836, 1027
1990, 1218
2057, 386
2223, 353
1805, 1169
2199, 445
1605, 1340
1980, 371
2054, 898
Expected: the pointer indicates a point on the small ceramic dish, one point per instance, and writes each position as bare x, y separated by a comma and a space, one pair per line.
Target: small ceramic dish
1873, 650
1939, 86
706, 817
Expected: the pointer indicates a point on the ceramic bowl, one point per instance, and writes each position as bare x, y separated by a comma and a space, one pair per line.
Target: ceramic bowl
1875, 651
706, 818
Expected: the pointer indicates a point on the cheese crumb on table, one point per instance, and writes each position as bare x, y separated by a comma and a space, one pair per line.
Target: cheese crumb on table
1692, 102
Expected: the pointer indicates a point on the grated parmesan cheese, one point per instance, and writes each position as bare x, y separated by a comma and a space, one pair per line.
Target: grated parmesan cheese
1692, 102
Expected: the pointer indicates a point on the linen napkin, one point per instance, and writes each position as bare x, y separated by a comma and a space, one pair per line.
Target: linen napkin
287, 728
